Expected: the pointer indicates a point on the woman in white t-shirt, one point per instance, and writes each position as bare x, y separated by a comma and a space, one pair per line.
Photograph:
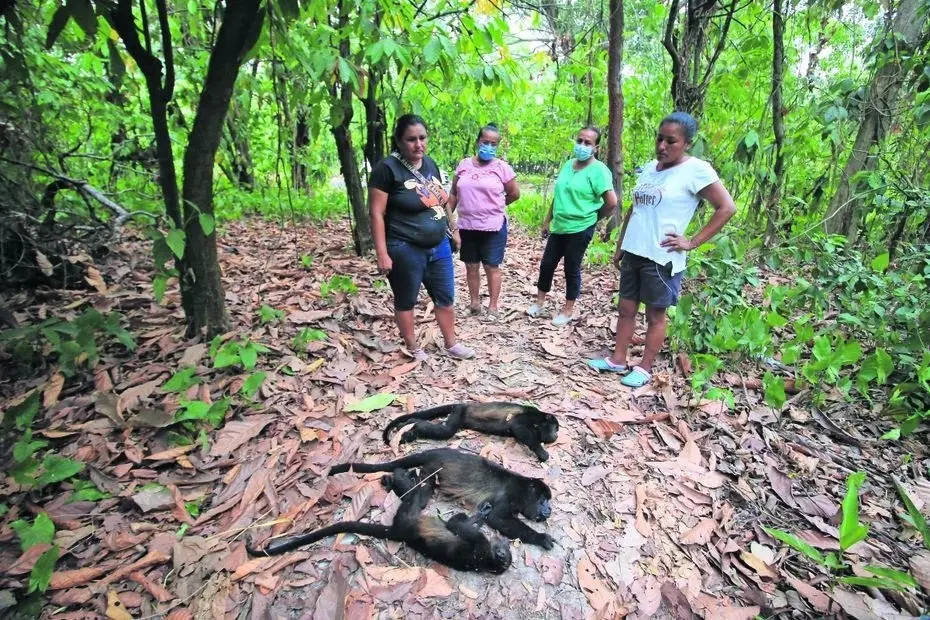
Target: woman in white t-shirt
652, 244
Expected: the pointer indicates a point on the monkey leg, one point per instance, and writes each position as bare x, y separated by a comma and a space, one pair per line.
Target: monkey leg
528, 438
430, 430
512, 527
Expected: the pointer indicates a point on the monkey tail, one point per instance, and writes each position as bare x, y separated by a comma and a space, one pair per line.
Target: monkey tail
424, 414
282, 545
417, 459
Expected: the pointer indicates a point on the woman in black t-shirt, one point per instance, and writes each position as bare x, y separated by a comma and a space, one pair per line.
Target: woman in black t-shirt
409, 220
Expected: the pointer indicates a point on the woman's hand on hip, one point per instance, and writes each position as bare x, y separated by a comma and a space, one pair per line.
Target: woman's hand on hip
385, 264
674, 242
618, 256
544, 232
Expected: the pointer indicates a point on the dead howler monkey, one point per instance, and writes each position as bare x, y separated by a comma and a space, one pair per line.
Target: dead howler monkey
474, 480
527, 424
458, 543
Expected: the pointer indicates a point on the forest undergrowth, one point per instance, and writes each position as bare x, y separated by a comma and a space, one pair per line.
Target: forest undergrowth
776, 465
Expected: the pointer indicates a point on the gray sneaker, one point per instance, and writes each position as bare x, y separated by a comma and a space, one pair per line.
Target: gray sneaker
460, 351
534, 310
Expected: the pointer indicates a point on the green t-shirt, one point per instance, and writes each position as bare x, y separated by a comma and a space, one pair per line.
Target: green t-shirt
578, 196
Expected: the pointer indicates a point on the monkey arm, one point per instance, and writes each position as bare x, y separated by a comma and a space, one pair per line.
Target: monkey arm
465, 528
528, 438
512, 527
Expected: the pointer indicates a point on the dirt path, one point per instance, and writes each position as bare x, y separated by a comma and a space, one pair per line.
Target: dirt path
657, 506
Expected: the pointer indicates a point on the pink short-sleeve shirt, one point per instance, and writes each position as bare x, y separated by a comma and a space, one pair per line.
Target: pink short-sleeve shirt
481, 194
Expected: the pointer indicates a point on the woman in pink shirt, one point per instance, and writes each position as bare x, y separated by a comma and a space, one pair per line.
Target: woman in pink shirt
482, 186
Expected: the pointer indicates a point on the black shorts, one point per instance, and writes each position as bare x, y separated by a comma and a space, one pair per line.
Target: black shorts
485, 247
648, 282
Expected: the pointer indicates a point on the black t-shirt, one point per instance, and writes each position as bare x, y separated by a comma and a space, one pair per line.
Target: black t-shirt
413, 213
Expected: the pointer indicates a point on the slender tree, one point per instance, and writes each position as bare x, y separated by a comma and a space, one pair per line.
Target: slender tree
773, 201
877, 113
615, 102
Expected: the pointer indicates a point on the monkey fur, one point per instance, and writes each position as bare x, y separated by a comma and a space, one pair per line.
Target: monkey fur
527, 424
474, 480
458, 543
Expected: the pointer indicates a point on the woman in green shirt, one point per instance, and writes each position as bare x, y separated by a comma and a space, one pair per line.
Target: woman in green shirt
584, 195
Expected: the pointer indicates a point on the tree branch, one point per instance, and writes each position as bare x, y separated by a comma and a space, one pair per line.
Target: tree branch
721, 42
667, 40
168, 88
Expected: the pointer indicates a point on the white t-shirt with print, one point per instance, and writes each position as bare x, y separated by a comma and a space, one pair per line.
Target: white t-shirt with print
664, 202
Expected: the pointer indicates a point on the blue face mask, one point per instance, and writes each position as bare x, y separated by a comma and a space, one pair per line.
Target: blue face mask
583, 152
487, 152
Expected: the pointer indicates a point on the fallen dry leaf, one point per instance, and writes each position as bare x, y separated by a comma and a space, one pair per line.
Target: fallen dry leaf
854, 604
553, 349
27, 560
817, 599
238, 432
758, 565
677, 601
599, 595
593, 474
436, 585
920, 569
700, 534
115, 608
62, 580
642, 526
53, 389
170, 454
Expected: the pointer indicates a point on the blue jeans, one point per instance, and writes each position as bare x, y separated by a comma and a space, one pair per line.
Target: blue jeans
414, 265
485, 247
571, 248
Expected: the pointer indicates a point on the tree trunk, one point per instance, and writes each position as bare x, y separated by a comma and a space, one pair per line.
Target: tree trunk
778, 119
301, 139
201, 289
237, 144
615, 107
692, 66
342, 103
878, 112
375, 127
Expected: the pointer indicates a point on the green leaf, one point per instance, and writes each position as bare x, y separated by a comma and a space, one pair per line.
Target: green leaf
796, 543
57, 468
161, 253
872, 582
892, 574
42, 570
372, 403
774, 390
181, 380
176, 240
192, 410
851, 531
883, 365
880, 262
83, 14
251, 385
248, 354
22, 415
917, 517
42, 531
894, 433
432, 50
207, 224
228, 355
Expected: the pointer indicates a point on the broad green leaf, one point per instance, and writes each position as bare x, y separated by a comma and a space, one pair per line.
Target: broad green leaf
161, 253
207, 223
872, 582
176, 240
796, 543
228, 355
59, 21
883, 365
917, 517
57, 468
83, 14
432, 50
851, 531
822, 348
372, 403
894, 433
249, 355
42, 571
182, 380
42, 531
880, 262
251, 385
192, 410
892, 574
774, 390
22, 415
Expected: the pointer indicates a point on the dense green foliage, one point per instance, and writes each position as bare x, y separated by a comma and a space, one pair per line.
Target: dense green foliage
851, 320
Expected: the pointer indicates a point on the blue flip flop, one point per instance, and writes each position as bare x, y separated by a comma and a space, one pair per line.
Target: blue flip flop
637, 378
605, 365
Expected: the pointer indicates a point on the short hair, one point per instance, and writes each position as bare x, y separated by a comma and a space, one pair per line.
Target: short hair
597, 133
488, 127
687, 123
405, 121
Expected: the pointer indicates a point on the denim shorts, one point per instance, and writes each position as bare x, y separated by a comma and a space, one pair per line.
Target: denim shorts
482, 246
414, 265
648, 282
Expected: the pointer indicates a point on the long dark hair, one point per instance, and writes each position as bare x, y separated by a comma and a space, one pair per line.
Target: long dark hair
403, 122
488, 127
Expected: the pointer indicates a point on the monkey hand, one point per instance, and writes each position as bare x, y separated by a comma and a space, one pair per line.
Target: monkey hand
542, 455
484, 509
546, 542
